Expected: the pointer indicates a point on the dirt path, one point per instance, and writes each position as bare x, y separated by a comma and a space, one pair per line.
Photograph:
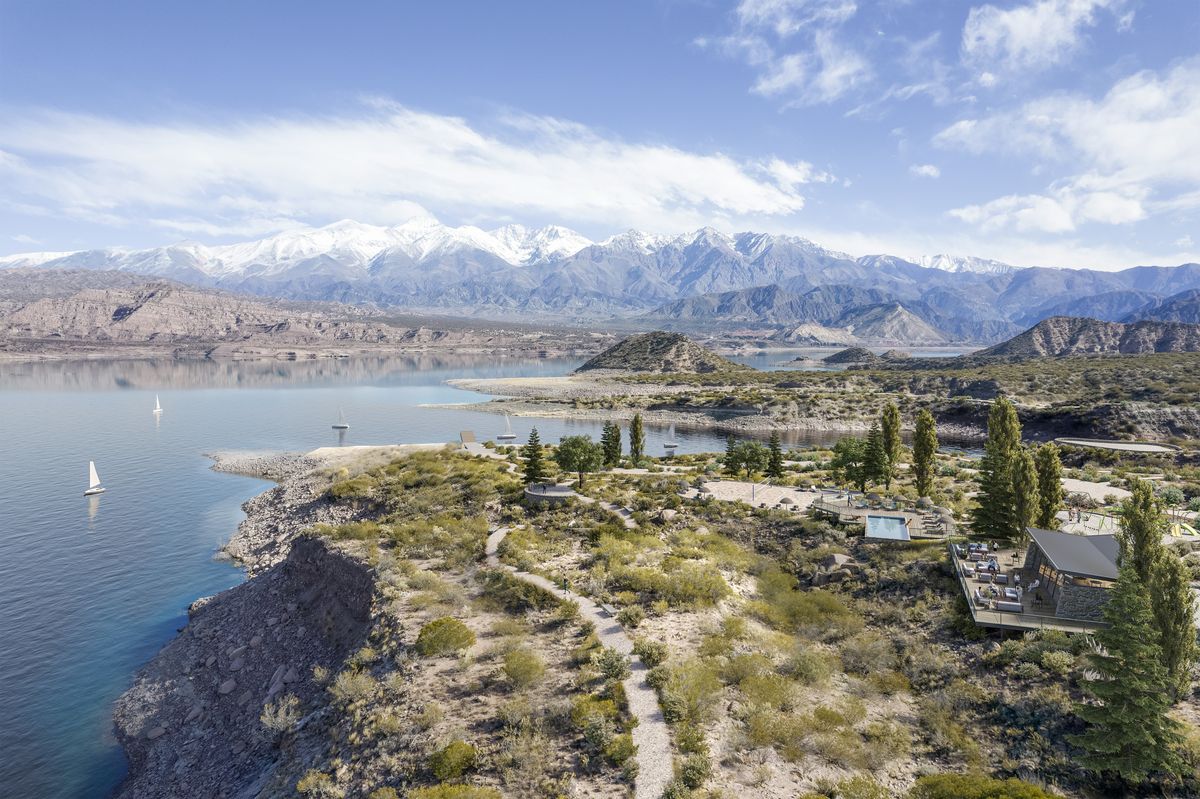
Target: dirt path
651, 735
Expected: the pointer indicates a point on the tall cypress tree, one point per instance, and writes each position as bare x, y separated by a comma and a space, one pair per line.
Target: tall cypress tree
1142, 529
637, 439
889, 425
1129, 734
1025, 490
996, 515
610, 442
1174, 608
775, 457
1050, 491
925, 445
878, 464
535, 466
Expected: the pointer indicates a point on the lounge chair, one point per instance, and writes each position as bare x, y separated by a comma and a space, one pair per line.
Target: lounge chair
1010, 607
983, 577
1002, 579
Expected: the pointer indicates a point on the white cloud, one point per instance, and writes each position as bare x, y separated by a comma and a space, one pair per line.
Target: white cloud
1184, 242
1134, 152
22, 238
793, 46
925, 171
382, 164
1032, 36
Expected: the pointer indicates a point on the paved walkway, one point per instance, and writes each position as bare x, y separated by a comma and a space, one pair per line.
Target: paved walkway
651, 735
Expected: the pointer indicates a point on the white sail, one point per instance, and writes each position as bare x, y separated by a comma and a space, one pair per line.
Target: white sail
507, 424
157, 405
508, 434
93, 478
670, 443
341, 423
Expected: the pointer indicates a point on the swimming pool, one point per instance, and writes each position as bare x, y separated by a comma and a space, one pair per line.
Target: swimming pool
892, 528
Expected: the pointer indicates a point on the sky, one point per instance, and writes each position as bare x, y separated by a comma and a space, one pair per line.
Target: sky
1049, 132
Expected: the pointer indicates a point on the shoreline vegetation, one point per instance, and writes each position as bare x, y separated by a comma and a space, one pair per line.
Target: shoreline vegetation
376, 651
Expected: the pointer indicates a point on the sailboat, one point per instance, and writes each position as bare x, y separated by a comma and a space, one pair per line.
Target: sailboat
670, 443
508, 434
157, 405
94, 486
341, 423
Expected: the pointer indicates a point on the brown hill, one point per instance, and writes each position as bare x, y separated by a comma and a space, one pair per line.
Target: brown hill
659, 352
1072, 335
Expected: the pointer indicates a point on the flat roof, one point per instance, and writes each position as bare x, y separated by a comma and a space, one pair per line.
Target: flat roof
1079, 555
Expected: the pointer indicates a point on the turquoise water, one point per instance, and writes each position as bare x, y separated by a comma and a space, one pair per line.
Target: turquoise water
91, 588
890, 527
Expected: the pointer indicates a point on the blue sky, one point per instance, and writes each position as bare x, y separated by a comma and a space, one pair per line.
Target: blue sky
1059, 132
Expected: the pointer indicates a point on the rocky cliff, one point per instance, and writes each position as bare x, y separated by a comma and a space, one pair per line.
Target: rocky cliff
1069, 335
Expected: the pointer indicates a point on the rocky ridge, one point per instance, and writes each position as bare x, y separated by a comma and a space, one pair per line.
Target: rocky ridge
659, 352
1070, 335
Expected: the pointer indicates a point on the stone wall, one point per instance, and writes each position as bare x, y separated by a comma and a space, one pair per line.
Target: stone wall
1082, 601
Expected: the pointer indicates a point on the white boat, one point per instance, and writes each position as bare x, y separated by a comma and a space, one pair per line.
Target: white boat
341, 423
508, 434
157, 405
94, 486
670, 443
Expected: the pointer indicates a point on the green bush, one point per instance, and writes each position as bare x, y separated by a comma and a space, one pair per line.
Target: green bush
455, 792
613, 666
695, 770
585, 707
454, 760
651, 653
319, 785
353, 686
620, 749
383, 793
631, 616
523, 668
974, 786
862, 787
444, 636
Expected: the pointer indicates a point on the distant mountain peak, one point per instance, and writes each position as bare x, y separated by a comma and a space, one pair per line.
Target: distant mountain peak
965, 263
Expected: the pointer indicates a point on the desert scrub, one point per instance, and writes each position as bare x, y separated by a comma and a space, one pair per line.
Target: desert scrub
612, 665
353, 686
523, 668
444, 636
690, 692
455, 792
453, 760
319, 785
815, 614
280, 716
651, 653
513, 594
974, 786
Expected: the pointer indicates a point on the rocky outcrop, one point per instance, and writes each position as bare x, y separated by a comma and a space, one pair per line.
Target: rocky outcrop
1070, 335
855, 355
190, 725
663, 353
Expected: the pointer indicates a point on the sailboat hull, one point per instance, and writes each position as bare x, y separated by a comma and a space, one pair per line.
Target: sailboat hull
341, 427
93, 491
506, 437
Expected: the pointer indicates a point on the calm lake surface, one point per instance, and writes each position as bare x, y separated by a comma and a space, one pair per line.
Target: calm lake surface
91, 588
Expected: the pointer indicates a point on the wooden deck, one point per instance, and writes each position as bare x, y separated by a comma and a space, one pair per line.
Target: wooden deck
1034, 615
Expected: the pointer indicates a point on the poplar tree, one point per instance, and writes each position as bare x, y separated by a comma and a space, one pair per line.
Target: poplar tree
1174, 608
1142, 529
878, 464
1129, 734
925, 446
1050, 490
996, 516
610, 442
775, 457
889, 424
637, 439
535, 466
1025, 490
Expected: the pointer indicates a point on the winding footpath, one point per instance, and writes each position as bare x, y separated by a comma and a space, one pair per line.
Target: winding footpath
651, 735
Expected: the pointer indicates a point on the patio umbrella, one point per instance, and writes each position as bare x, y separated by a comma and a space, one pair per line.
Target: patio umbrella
874, 497
924, 502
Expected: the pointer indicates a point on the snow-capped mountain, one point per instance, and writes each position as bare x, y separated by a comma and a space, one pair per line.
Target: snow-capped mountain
695, 278
965, 263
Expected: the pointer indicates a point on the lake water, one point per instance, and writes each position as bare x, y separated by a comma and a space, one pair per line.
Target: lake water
90, 588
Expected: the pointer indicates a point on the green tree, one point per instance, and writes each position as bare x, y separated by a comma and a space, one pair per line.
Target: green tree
889, 426
1050, 490
774, 457
1025, 490
925, 446
730, 460
849, 461
531, 453
578, 454
878, 464
1174, 607
748, 456
1129, 734
610, 441
996, 516
637, 439
1141, 531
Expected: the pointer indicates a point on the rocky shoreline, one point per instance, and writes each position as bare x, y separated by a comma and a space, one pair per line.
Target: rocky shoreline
190, 722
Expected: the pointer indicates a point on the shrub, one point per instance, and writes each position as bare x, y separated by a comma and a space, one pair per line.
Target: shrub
695, 770
383, 793
452, 761
1059, 663
651, 653
353, 686
455, 792
692, 692
281, 716
631, 616
444, 636
810, 666
749, 664
523, 668
586, 707
867, 653
620, 748
862, 787
318, 785
658, 677
772, 690
974, 786
613, 666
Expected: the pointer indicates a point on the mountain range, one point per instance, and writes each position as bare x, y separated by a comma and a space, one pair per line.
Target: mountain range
696, 280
